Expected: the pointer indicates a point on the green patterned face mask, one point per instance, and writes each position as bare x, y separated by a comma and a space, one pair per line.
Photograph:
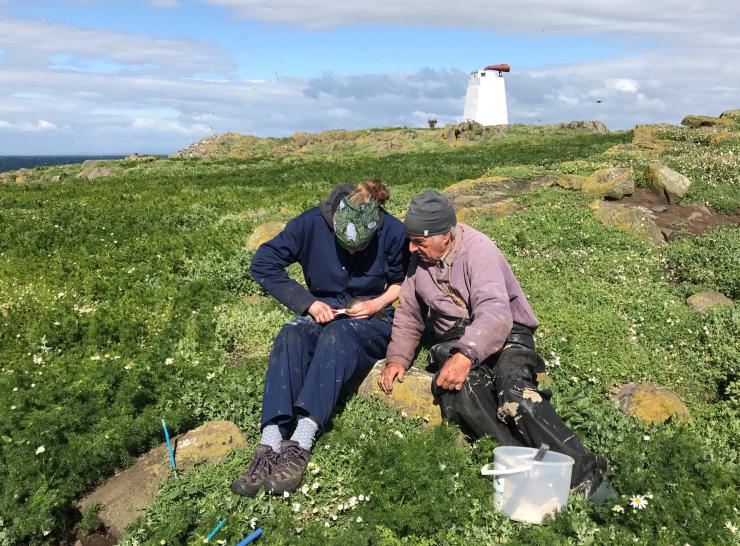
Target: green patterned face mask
355, 225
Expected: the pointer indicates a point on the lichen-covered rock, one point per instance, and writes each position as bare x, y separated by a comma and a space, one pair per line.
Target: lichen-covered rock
124, 495
612, 183
705, 121
650, 403
666, 182
571, 181
413, 397
707, 300
264, 233
638, 220
731, 114
141, 158
91, 173
590, 125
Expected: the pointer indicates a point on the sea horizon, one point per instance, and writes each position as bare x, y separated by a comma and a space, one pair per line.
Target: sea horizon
30, 161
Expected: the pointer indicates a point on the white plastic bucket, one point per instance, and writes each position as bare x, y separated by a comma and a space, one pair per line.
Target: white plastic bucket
528, 490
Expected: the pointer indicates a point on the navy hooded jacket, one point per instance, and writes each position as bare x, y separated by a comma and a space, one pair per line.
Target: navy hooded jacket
332, 274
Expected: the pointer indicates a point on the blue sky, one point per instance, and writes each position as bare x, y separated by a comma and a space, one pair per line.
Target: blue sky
89, 76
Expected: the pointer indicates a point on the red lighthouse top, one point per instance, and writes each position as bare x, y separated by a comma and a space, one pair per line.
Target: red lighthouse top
499, 68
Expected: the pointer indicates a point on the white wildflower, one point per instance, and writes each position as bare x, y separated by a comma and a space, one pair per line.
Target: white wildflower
639, 502
40, 450
398, 433
296, 507
359, 519
730, 527
168, 361
38, 359
286, 494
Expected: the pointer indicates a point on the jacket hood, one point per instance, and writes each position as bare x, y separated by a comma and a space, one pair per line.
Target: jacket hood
329, 205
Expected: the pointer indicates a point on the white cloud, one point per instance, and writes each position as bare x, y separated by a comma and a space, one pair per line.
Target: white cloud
169, 126
28, 126
624, 85
657, 18
36, 44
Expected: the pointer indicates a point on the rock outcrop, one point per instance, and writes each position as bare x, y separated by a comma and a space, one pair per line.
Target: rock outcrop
638, 220
695, 122
731, 114
702, 301
413, 397
650, 403
612, 183
264, 233
666, 182
590, 125
124, 495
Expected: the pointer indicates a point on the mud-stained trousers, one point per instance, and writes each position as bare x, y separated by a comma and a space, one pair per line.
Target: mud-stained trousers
310, 363
500, 398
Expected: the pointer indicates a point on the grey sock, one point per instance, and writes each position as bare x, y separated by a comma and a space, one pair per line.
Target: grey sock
271, 436
305, 431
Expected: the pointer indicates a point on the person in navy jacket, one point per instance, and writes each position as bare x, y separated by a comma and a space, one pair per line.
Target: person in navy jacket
354, 257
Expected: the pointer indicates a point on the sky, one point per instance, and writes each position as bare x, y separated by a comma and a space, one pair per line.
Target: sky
153, 76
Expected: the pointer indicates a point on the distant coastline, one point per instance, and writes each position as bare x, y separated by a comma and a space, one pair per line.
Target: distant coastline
13, 162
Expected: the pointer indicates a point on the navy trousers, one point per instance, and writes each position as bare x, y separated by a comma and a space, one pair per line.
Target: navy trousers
310, 363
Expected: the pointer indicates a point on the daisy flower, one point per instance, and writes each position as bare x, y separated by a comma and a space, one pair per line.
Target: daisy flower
639, 502
40, 450
730, 527
618, 508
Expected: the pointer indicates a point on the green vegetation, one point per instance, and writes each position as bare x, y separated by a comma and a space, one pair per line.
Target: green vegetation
127, 299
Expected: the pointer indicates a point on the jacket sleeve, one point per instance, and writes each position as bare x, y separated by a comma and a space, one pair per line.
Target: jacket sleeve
269, 263
408, 324
397, 256
491, 319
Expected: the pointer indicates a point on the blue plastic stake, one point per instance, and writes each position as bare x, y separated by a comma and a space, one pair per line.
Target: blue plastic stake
169, 447
215, 530
251, 537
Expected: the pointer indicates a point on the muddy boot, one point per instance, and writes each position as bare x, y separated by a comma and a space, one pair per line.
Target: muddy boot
261, 466
594, 481
289, 470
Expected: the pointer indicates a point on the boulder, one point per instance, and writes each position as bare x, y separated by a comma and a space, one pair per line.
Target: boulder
650, 403
141, 158
413, 397
571, 181
21, 179
638, 220
707, 300
730, 114
467, 130
666, 182
7, 176
91, 173
263, 233
589, 125
612, 183
304, 139
55, 178
127, 493
644, 139
695, 122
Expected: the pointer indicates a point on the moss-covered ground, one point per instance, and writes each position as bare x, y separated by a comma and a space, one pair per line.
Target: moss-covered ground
127, 299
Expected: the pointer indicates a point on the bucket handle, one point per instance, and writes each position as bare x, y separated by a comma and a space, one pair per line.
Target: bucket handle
488, 470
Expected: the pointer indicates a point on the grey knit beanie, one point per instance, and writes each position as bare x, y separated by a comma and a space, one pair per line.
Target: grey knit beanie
430, 213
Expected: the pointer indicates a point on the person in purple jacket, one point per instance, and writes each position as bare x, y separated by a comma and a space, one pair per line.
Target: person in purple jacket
354, 257
486, 366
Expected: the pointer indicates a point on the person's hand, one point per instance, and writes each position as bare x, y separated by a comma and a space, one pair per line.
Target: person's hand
454, 372
364, 309
321, 312
392, 370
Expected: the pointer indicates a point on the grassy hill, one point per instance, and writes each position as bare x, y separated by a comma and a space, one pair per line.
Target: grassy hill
127, 298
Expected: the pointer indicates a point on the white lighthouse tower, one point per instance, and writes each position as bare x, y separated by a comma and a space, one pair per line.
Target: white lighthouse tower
485, 99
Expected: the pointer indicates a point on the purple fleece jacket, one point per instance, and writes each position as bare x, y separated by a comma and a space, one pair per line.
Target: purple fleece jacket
480, 275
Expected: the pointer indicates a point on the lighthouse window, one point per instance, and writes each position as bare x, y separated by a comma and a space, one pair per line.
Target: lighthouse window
482, 74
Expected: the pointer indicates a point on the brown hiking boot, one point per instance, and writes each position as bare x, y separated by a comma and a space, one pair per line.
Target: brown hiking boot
289, 470
261, 466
